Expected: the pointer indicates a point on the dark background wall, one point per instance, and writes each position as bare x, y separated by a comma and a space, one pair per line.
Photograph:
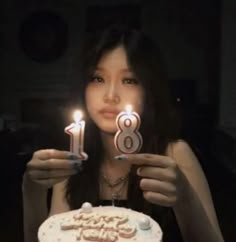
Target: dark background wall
38, 51
228, 63
184, 30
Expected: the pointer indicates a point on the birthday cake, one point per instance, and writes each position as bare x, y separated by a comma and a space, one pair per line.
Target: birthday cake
100, 224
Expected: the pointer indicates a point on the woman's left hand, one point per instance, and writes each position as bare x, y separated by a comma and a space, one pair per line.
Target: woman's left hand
162, 181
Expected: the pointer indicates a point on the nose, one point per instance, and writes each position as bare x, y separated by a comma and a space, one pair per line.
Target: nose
111, 94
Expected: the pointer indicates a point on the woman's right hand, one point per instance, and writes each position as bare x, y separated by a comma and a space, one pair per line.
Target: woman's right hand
48, 167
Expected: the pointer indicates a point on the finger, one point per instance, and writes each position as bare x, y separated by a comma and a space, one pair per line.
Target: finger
146, 159
159, 199
50, 182
53, 164
156, 173
52, 153
157, 186
50, 174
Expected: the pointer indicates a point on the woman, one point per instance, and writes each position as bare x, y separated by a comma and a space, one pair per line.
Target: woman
164, 180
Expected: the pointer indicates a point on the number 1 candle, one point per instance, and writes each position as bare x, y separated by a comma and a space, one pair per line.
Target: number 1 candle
76, 132
128, 139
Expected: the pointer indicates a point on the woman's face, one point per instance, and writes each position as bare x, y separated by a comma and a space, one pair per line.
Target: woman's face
111, 88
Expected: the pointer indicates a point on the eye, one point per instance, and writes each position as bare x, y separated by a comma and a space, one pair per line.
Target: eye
130, 81
97, 79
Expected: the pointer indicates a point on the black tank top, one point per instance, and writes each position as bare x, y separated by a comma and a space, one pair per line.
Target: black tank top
167, 221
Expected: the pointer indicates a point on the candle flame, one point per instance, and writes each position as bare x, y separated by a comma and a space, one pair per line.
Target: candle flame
128, 108
77, 116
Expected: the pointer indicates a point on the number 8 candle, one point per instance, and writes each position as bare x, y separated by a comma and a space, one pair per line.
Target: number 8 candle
128, 139
76, 132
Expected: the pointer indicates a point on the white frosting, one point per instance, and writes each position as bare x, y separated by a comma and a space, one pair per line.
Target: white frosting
101, 224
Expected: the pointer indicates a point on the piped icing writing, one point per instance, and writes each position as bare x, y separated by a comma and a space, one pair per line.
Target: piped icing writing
103, 228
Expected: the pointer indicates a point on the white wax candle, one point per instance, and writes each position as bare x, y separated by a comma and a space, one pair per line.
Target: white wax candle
76, 132
128, 139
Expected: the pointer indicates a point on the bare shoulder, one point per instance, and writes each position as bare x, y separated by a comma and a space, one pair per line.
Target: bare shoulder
188, 163
181, 151
181, 144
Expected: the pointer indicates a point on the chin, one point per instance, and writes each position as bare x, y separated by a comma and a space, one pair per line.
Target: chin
106, 125
109, 129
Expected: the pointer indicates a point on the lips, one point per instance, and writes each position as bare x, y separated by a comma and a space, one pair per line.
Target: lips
109, 112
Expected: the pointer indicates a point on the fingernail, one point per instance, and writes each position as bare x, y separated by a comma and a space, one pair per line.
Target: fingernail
121, 157
76, 165
138, 171
72, 156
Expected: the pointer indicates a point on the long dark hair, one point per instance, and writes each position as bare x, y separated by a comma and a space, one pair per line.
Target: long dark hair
158, 126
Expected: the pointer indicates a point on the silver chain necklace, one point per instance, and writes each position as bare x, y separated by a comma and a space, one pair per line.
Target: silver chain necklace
120, 182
